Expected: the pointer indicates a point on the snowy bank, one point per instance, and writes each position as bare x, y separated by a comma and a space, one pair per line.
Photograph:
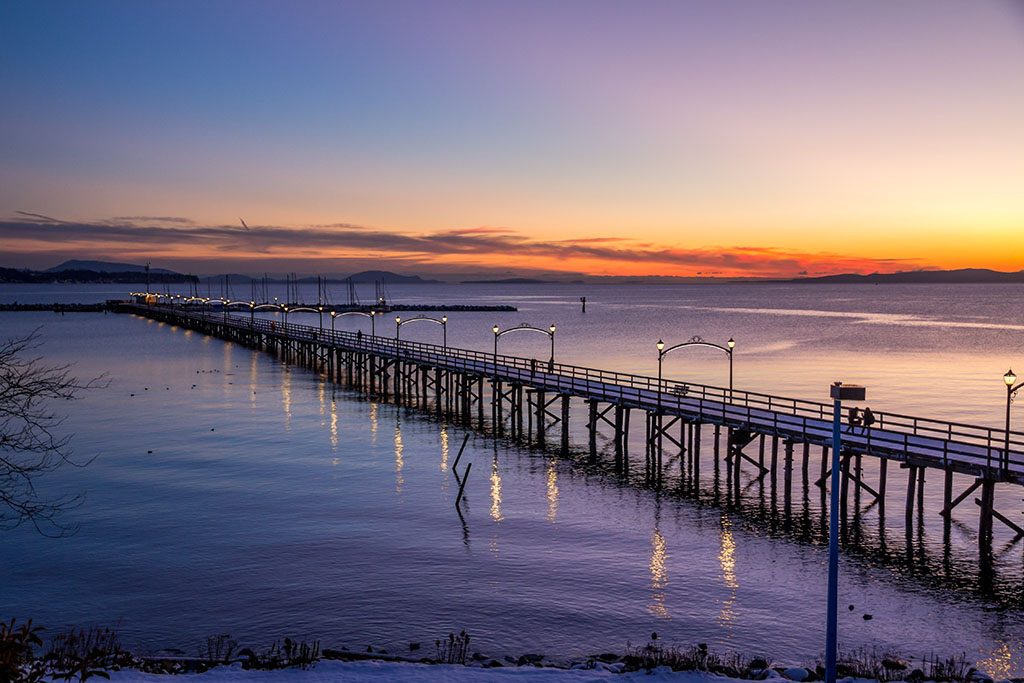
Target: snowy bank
397, 672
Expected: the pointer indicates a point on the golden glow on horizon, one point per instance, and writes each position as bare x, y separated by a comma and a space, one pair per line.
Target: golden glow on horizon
682, 246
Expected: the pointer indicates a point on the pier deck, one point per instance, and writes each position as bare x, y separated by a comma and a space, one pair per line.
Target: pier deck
405, 369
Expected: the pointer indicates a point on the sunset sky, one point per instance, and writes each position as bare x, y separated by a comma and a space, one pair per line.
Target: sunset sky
727, 137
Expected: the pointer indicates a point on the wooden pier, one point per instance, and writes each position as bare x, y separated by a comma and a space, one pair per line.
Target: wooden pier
758, 435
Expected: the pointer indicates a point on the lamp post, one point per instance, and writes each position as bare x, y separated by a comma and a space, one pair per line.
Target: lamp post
695, 341
334, 316
839, 393
1011, 390
320, 309
252, 314
661, 357
732, 345
551, 361
524, 327
442, 321
398, 329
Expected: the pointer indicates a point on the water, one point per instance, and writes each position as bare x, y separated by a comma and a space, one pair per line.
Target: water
276, 504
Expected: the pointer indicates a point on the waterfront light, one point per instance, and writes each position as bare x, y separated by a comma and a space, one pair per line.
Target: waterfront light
731, 343
839, 392
660, 345
1011, 390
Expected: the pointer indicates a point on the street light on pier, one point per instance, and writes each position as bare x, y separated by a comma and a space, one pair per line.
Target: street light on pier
1011, 390
694, 341
442, 321
524, 327
840, 392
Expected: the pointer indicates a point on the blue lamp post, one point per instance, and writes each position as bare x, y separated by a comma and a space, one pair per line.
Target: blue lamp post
840, 392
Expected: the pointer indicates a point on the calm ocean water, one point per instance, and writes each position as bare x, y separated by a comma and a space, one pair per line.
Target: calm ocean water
274, 503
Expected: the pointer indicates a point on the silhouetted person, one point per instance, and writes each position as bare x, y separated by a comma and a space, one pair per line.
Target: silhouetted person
853, 417
533, 366
869, 419
359, 336
551, 365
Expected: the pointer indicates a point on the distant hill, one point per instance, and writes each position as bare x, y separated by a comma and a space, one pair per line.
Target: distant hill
512, 281
388, 277
105, 267
125, 277
961, 276
366, 276
233, 278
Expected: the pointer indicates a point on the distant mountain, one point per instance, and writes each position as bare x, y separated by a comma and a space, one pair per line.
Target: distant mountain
73, 275
105, 267
366, 276
961, 276
388, 277
512, 281
232, 278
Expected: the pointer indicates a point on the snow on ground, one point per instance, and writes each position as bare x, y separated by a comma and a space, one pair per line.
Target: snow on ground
390, 672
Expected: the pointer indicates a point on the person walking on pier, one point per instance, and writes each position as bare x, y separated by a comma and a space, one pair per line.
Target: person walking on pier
869, 419
853, 417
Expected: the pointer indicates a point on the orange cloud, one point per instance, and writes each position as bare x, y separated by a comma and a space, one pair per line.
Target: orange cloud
458, 248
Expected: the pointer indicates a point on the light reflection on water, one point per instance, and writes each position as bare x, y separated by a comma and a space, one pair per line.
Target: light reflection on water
238, 531
495, 490
552, 489
727, 559
659, 574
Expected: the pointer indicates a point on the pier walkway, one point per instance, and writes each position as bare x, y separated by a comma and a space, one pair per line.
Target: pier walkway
412, 372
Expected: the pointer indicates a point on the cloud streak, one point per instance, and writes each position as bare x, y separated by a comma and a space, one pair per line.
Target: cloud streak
480, 246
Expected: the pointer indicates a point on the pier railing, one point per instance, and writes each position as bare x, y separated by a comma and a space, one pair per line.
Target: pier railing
973, 446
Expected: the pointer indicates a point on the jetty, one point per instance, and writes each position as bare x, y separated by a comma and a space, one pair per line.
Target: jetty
285, 307
754, 434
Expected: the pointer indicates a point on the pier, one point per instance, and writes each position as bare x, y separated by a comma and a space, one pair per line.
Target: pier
758, 436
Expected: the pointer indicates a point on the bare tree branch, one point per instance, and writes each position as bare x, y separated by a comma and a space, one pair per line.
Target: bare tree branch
30, 440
